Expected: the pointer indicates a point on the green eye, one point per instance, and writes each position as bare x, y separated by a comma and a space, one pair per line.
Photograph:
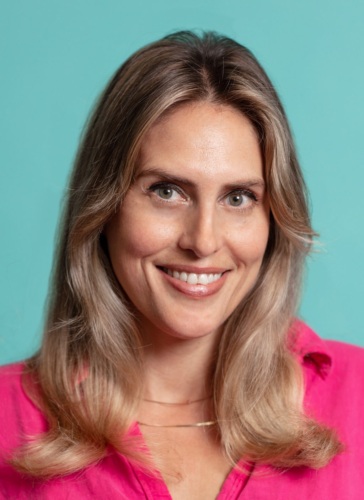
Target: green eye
164, 192
241, 198
236, 199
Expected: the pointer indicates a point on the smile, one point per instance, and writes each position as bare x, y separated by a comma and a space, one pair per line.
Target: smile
193, 278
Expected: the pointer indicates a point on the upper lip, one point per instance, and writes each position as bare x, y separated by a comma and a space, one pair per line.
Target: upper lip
194, 269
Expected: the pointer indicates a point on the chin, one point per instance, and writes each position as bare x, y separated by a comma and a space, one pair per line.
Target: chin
199, 331
193, 330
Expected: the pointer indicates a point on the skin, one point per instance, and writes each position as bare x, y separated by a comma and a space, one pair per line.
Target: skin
191, 224
198, 205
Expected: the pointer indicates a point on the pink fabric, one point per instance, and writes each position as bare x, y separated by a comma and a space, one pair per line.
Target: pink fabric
334, 375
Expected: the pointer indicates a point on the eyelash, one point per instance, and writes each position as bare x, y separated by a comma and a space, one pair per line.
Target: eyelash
166, 185
243, 192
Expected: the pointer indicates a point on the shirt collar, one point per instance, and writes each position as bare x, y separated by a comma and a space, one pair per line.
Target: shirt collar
310, 349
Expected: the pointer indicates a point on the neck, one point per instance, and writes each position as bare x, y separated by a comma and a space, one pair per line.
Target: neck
178, 370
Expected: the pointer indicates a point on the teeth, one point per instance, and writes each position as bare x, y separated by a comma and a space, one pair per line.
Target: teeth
193, 278
183, 277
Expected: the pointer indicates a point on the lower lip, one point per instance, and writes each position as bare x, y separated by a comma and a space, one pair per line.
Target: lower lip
195, 291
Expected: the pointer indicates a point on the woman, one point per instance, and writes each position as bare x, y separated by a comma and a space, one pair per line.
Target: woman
171, 363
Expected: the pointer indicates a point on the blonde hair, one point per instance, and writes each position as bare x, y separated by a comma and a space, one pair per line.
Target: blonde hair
88, 374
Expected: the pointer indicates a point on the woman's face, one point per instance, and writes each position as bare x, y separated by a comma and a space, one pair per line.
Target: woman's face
188, 240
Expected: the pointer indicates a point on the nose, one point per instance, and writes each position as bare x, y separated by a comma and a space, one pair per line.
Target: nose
201, 233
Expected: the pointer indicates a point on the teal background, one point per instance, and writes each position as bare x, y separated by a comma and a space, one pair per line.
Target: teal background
57, 56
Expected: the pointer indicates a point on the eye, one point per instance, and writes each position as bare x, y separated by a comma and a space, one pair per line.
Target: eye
240, 198
236, 199
165, 191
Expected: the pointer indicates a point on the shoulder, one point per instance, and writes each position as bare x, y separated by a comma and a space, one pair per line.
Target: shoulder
307, 344
15, 381
346, 352
11, 380
334, 384
19, 415
334, 373
338, 365
347, 361
12, 393
13, 401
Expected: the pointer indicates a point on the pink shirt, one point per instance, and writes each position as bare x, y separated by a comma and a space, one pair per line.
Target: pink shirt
334, 375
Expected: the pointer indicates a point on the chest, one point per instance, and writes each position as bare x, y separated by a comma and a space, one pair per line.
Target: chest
190, 461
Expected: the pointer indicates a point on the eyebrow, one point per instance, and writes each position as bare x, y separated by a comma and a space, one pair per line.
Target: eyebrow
158, 172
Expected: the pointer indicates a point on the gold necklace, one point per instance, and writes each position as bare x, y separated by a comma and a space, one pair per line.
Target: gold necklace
197, 424
176, 404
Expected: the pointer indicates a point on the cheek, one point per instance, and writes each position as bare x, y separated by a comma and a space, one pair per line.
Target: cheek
142, 234
250, 242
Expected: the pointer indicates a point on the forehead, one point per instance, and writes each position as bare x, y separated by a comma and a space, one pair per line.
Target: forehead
203, 137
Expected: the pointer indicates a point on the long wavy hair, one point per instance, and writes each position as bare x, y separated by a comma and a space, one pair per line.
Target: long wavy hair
88, 374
